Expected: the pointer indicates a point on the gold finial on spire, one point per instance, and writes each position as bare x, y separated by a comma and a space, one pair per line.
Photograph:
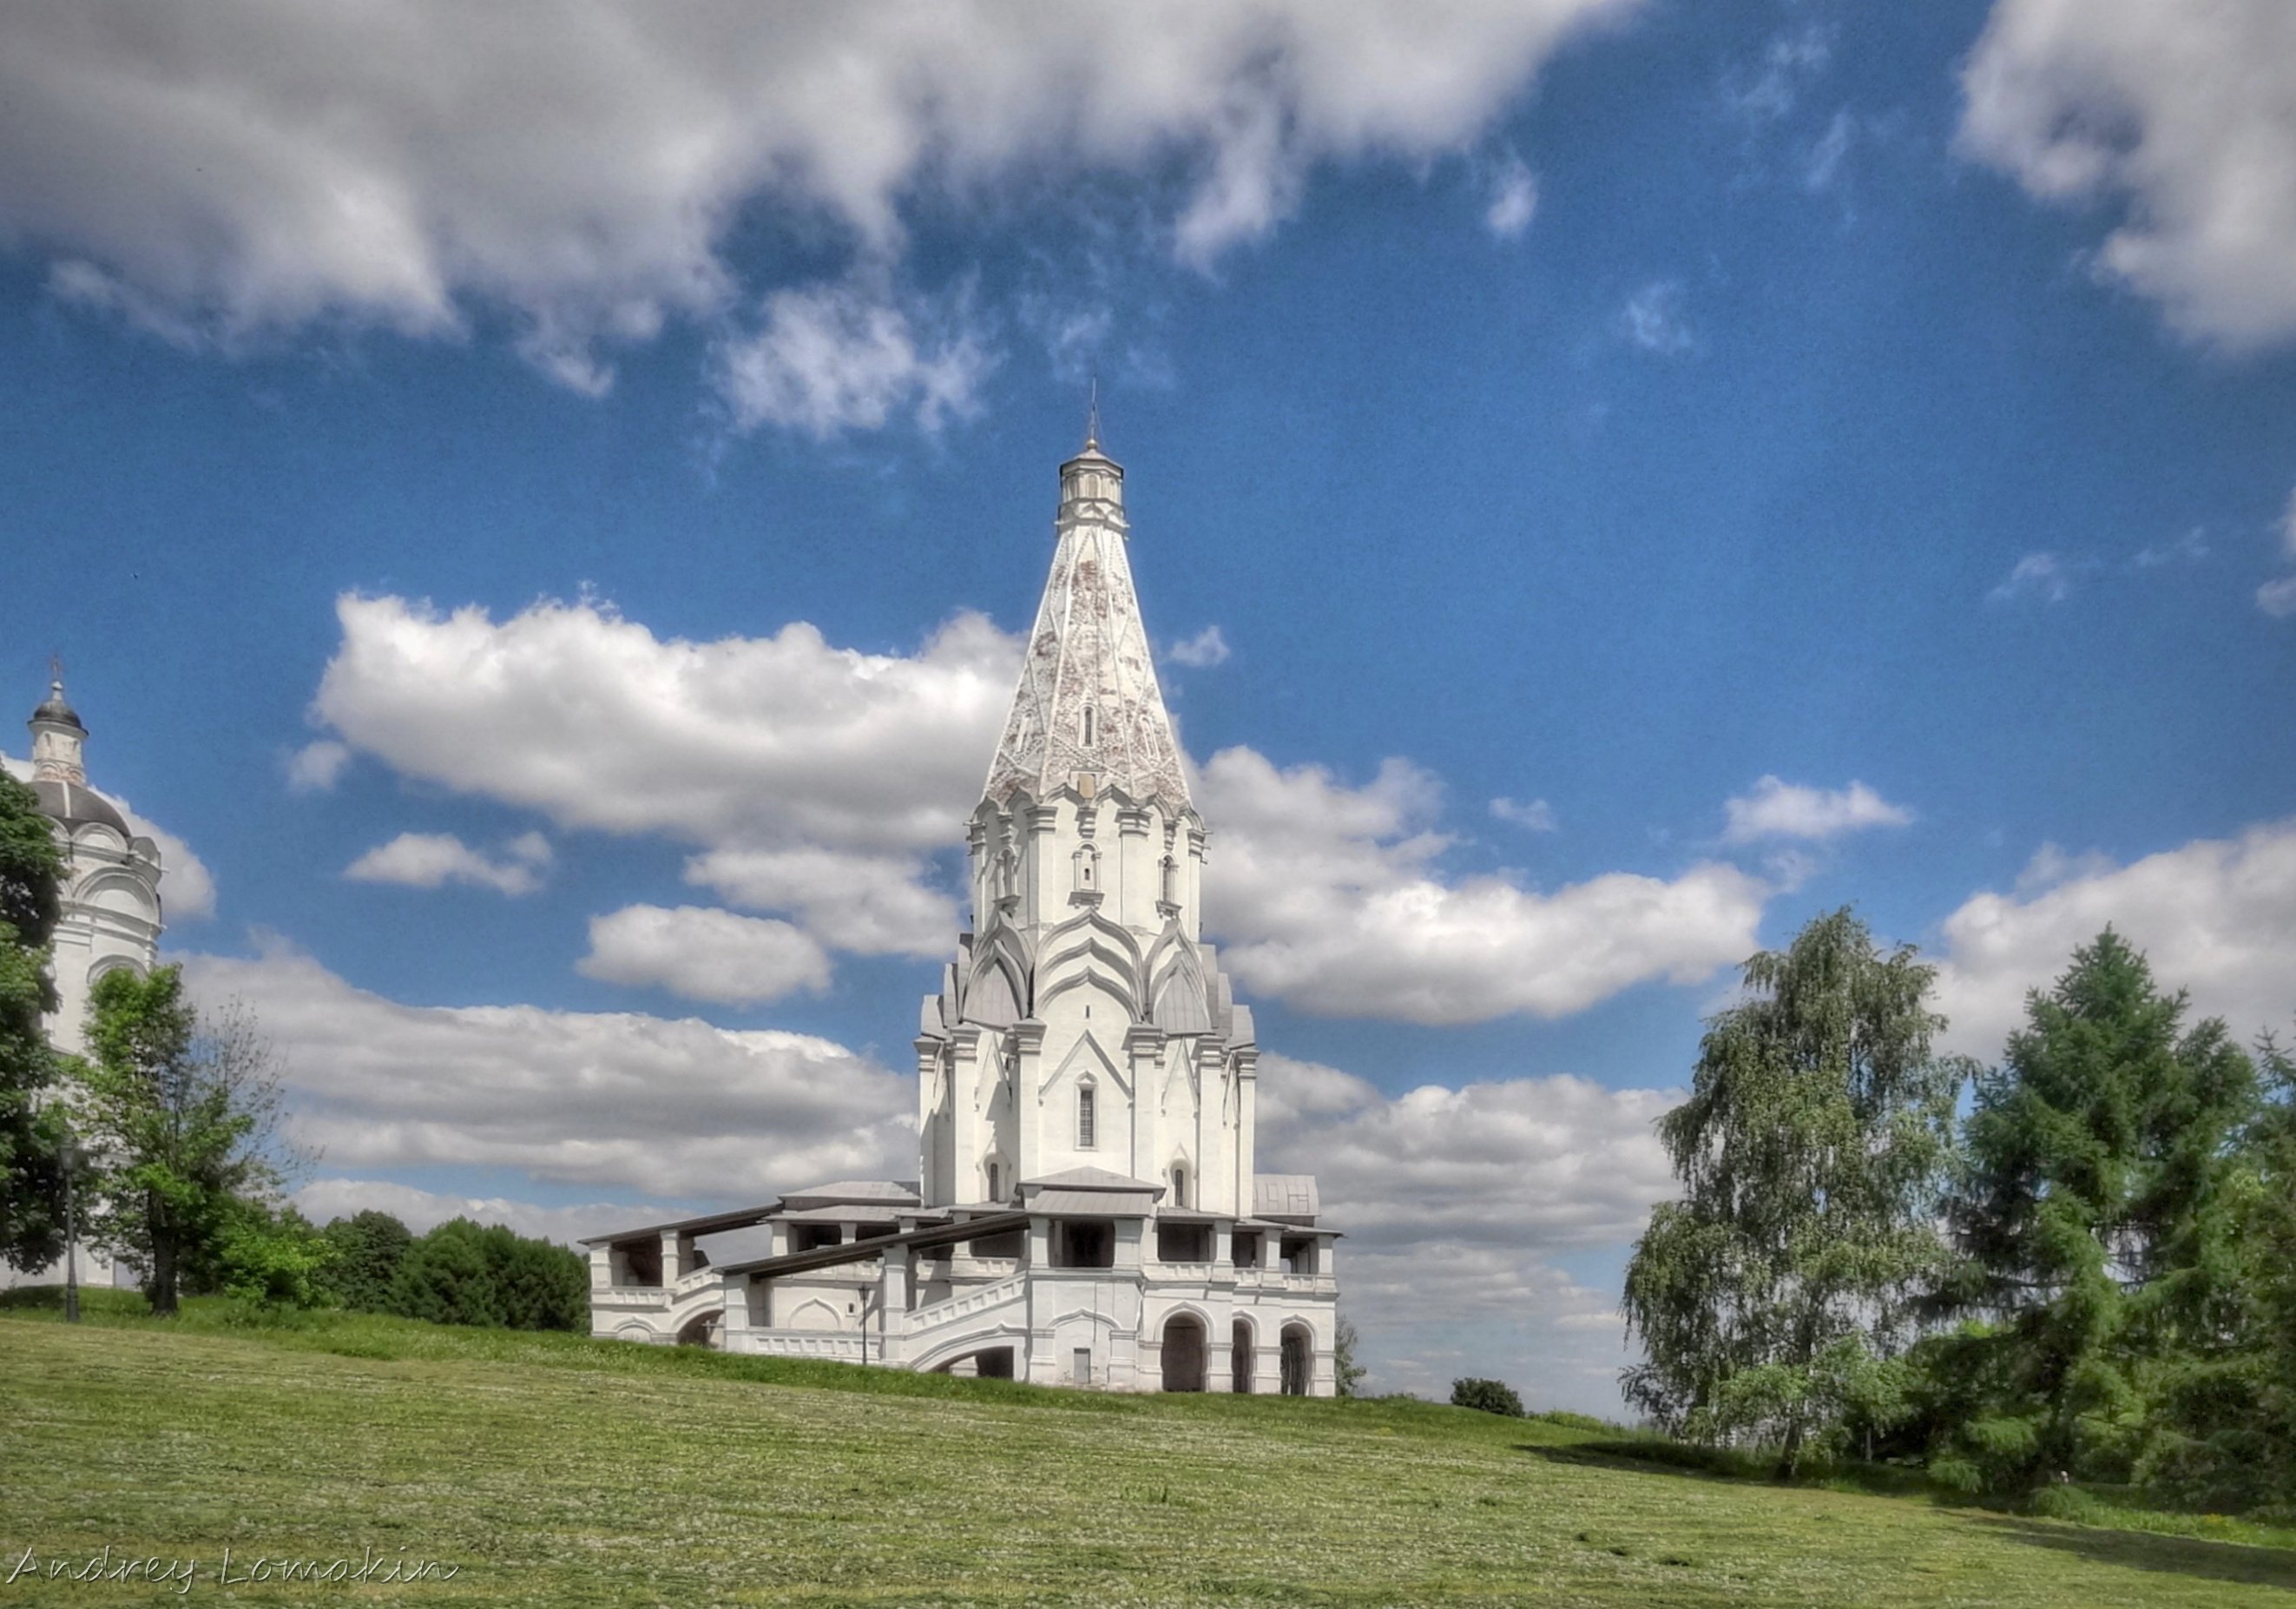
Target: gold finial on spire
1092, 418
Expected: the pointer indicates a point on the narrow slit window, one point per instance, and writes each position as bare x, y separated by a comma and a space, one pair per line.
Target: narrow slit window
1085, 1115
1091, 723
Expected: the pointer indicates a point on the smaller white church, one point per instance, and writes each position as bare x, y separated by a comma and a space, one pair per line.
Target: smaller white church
1087, 1210
110, 900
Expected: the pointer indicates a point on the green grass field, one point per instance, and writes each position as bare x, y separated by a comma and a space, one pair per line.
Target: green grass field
561, 1471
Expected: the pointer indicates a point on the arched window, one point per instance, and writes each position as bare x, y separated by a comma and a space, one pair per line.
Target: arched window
1180, 1185
1091, 724
1085, 1103
994, 1193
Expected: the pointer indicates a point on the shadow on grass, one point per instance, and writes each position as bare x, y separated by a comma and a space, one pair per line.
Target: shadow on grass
2248, 1565
2245, 1563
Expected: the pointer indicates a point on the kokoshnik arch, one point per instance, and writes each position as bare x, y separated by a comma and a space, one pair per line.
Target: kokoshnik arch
1086, 1211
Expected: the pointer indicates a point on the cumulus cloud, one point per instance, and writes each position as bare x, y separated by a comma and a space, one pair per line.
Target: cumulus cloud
316, 767
1326, 897
605, 1101
1535, 816
1654, 320
2216, 916
872, 905
1514, 198
429, 861
704, 955
816, 782
2183, 115
1456, 1203
839, 357
570, 709
1207, 648
1777, 809
188, 889
581, 168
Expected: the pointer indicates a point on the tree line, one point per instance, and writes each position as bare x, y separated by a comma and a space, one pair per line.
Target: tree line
2076, 1265
168, 1129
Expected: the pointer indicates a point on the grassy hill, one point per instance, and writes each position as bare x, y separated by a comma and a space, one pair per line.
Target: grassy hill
562, 1471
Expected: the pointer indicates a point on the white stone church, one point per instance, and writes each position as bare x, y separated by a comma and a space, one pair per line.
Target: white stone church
1086, 1211
110, 902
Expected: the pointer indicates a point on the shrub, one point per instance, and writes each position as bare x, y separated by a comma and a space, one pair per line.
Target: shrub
368, 1248
1490, 1396
462, 1274
271, 1257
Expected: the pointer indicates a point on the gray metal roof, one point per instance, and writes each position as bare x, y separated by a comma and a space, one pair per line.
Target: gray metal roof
1092, 1203
856, 1212
918, 1240
742, 1218
1284, 1195
894, 1192
1091, 1179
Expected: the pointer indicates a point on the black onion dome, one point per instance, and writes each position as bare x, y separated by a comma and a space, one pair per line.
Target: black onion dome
54, 709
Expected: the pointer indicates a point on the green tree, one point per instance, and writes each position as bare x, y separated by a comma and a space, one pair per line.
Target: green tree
1772, 1300
367, 1250
1347, 1369
460, 1273
1490, 1396
2222, 1434
270, 1255
2098, 1222
182, 1120
31, 1175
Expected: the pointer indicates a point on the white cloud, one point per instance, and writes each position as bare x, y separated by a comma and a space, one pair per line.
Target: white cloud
1514, 198
872, 905
323, 1200
2181, 112
608, 1101
1207, 648
839, 357
1654, 320
1455, 1202
429, 861
1326, 897
1537, 817
2046, 576
2216, 916
420, 167
316, 767
188, 889
2278, 598
570, 709
704, 955
1777, 809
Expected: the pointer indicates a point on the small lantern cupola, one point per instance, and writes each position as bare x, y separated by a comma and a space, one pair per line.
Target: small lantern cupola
58, 738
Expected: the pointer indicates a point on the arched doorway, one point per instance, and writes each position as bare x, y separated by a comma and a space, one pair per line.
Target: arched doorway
1240, 1360
1184, 1353
702, 1329
1299, 1360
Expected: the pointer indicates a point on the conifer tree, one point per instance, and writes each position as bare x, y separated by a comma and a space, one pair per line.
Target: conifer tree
2096, 1224
1772, 1300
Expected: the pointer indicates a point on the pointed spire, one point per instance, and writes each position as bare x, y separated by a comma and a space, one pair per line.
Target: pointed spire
1088, 713
1092, 419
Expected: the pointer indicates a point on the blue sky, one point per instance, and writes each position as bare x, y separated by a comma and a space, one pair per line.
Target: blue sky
1598, 406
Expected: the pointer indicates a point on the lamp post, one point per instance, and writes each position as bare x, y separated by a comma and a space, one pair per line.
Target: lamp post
71, 1158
